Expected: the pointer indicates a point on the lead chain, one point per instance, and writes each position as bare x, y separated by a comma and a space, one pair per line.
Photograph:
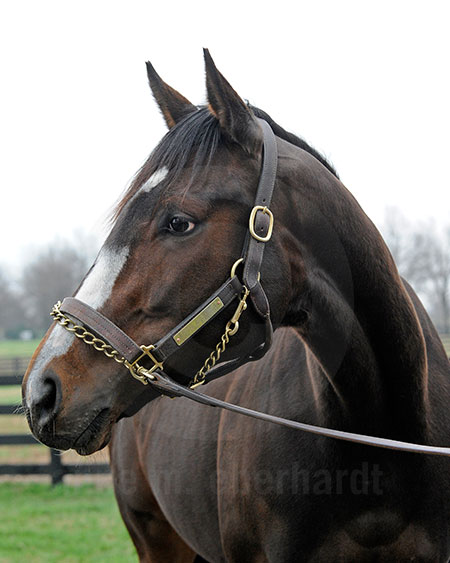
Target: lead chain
212, 359
92, 340
230, 330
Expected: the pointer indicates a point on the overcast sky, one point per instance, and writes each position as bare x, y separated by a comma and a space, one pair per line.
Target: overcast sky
365, 83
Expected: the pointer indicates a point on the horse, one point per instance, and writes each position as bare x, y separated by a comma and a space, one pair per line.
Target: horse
353, 349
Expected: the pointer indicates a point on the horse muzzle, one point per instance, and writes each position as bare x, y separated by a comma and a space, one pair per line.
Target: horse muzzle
86, 430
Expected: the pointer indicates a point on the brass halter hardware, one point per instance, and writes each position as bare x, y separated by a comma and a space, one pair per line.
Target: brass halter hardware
234, 267
251, 223
141, 373
231, 328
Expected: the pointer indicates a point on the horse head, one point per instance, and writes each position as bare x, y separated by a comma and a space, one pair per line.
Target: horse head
176, 234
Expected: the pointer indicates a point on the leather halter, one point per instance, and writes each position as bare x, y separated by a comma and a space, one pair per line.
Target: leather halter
260, 230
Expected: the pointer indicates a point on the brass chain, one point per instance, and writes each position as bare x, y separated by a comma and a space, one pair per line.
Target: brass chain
231, 328
88, 338
212, 359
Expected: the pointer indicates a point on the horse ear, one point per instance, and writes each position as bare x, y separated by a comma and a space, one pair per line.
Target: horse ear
234, 116
172, 104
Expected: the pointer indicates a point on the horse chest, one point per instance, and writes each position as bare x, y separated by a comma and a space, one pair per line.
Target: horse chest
378, 536
346, 510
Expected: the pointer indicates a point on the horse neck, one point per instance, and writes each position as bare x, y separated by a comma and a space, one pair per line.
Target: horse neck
361, 329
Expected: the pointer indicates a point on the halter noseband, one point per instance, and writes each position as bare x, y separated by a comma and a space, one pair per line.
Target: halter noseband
114, 343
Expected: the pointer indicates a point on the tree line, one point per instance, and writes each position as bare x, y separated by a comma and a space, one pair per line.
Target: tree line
54, 272
421, 251
422, 254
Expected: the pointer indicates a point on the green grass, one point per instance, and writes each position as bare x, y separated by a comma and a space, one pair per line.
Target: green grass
64, 524
10, 395
17, 348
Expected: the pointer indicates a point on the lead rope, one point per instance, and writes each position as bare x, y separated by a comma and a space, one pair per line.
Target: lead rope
165, 384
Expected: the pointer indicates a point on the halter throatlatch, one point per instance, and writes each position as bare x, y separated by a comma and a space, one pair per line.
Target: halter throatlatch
114, 343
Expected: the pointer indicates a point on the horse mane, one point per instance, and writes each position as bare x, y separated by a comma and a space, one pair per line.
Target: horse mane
293, 139
195, 140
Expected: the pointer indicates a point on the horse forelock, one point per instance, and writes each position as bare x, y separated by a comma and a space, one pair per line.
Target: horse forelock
192, 142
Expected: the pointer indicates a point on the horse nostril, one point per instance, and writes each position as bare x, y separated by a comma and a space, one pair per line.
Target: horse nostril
48, 399
45, 399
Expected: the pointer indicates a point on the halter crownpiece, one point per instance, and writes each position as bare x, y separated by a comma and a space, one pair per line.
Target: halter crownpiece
114, 343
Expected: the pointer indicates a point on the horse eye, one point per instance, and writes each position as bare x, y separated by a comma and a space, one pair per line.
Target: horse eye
180, 225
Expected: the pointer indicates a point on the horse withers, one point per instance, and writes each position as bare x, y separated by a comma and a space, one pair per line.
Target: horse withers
353, 349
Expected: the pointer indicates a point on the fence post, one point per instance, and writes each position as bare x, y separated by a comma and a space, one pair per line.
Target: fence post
56, 467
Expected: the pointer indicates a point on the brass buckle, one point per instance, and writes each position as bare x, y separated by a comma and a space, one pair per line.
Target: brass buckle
141, 373
251, 223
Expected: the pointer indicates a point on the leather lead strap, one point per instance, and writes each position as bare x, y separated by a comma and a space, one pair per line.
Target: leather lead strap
167, 386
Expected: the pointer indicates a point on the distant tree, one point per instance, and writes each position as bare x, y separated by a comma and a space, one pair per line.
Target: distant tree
54, 273
438, 252
422, 255
397, 232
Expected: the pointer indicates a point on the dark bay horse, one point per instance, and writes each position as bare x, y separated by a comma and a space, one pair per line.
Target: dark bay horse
353, 350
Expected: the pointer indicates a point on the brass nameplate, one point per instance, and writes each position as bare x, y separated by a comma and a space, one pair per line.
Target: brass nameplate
198, 321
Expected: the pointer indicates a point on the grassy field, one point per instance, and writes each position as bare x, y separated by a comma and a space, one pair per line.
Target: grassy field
64, 524
10, 395
17, 348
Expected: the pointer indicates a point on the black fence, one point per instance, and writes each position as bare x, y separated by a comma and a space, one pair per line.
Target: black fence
9, 370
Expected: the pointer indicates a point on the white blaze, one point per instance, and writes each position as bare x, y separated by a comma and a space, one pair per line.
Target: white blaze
97, 287
155, 179
95, 291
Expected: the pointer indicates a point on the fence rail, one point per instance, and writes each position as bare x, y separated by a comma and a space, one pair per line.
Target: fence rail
10, 366
9, 370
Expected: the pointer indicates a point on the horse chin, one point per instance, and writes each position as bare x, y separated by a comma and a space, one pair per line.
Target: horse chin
89, 448
96, 435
